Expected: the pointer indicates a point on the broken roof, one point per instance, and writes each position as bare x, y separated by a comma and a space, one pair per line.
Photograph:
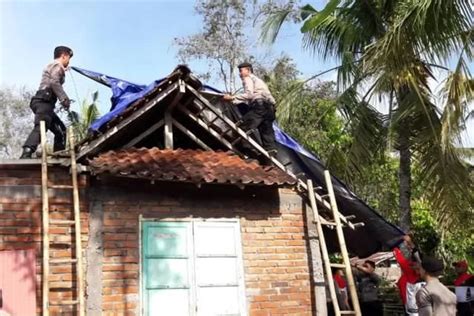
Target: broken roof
202, 121
194, 166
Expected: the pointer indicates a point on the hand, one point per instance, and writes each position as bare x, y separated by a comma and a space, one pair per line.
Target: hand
408, 241
66, 103
228, 97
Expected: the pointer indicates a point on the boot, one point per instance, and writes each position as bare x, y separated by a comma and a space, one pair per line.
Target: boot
27, 153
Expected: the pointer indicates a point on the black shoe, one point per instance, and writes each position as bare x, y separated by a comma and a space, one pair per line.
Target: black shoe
27, 153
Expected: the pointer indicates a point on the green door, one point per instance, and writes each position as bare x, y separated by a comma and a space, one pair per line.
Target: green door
167, 262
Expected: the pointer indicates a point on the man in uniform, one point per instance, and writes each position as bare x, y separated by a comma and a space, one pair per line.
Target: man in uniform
434, 299
261, 104
43, 102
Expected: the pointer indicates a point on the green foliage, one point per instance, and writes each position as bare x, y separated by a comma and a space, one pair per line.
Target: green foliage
425, 227
16, 120
388, 51
88, 114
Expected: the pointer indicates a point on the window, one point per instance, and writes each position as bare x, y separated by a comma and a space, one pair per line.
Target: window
192, 268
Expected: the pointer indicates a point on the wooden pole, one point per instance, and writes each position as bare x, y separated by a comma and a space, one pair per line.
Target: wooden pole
45, 217
168, 130
342, 244
324, 249
77, 224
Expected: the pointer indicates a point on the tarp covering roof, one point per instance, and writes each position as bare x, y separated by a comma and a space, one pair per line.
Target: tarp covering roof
364, 241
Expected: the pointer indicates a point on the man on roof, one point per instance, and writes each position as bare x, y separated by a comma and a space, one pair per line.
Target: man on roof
43, 102
261, 104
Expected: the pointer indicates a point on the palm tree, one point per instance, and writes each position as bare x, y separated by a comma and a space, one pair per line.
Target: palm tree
390, 50
88, 114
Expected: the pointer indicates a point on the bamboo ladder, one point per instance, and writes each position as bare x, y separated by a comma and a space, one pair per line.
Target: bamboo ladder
346, 265
230, 135
76, 223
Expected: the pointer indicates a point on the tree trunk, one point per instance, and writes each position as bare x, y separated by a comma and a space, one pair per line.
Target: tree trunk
404, 175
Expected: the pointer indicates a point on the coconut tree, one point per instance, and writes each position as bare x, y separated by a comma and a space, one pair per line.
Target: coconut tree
392, 51
83, 120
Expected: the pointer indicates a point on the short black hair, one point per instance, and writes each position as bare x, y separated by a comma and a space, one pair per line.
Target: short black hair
432, 265
60, 50
370, 262
246, 65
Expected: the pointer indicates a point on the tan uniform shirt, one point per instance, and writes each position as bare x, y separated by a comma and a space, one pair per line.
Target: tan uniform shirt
254, 89
54, 77
435, 299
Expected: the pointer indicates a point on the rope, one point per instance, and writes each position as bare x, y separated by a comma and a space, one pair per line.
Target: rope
75, 86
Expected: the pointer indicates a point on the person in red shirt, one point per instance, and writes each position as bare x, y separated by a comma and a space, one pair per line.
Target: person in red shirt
461, 267
461, 270
408, 283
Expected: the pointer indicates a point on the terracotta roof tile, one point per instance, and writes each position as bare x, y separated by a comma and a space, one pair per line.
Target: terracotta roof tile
187, 166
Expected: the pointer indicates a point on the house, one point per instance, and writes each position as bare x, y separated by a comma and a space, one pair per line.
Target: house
174, 220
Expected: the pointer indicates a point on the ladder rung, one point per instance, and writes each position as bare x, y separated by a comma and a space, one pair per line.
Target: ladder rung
337, 265
286, 164
347, 312
60, 186
59, 261
63, 302
236, 140
62, 222
212, 121
224, 132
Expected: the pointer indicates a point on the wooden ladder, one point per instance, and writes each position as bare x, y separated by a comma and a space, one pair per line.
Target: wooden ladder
346, 265
78, 303
231, 134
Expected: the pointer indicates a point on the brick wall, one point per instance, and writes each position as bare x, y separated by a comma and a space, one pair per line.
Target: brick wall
274, 241
274, 245
21, 224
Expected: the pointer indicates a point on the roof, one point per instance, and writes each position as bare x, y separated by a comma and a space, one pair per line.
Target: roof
195, 166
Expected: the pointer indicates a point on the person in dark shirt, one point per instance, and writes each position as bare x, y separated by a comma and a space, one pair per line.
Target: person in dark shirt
43, 102
367, 283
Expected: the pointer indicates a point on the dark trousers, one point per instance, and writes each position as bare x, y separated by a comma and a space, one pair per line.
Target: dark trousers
261, 116
44, 111
373, 308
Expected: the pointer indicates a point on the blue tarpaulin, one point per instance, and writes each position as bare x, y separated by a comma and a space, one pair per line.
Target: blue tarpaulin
377, 232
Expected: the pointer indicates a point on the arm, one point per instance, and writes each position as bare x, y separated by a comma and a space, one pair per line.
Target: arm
423, 301
248, 93
57, 73
402, 261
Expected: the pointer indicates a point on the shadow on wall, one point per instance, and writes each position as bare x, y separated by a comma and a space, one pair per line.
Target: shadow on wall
18, 281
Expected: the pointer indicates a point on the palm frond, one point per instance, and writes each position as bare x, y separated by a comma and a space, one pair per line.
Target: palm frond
317, 17
367, 126
272, 25
458, 91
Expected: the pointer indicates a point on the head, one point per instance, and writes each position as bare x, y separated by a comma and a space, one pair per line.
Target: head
370, 265
430, 268
460, 266
63, 54
245, 69
338, 271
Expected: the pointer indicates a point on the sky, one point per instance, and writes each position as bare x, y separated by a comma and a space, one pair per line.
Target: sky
131, 40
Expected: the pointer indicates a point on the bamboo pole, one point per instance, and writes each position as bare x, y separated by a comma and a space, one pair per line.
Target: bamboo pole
324, 249
342, 244
45, 217
77, 224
